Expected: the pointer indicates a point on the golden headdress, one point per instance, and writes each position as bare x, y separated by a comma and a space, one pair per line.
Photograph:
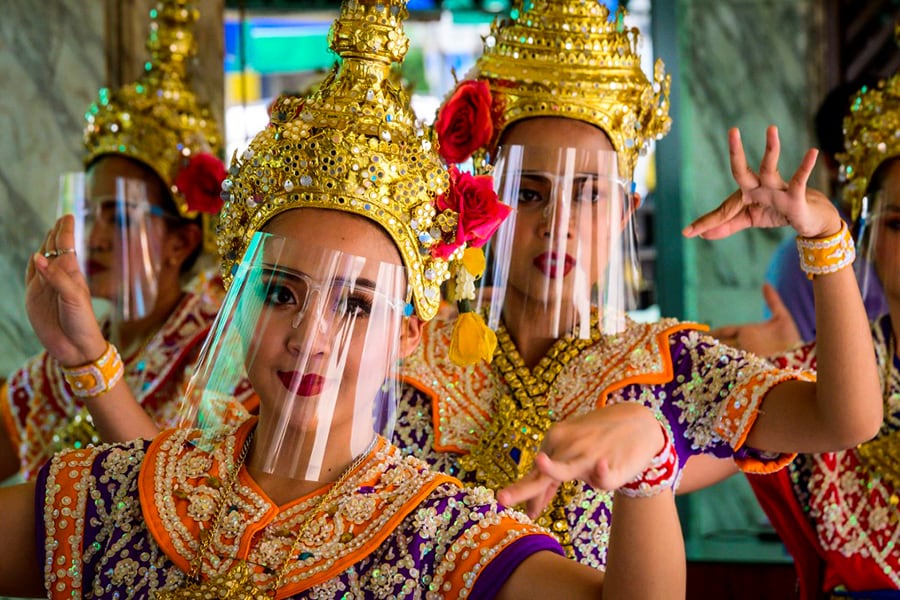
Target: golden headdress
158, 120
566, 58
871, 136
353, 146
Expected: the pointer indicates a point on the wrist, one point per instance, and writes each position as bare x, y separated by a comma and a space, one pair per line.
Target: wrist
96, 377
820, 256
661, 474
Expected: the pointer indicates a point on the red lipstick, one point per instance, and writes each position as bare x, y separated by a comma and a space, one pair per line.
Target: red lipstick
550, 264
309, 384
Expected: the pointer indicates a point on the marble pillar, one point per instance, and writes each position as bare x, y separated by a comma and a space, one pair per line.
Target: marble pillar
54, 55
746, 64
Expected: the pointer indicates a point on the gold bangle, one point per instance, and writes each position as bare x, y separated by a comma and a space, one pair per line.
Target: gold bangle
98, 377
820, 256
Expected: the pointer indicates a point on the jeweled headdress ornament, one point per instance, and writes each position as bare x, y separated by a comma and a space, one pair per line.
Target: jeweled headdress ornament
567, 58
158, 120
355, 146
871, 136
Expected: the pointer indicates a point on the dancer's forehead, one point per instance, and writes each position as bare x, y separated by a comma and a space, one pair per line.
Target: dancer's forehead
336, 230
557, 132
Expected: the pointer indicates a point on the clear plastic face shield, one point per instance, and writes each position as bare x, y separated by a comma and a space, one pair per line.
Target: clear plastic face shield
118, 242
566, 256
317, 332
878, 242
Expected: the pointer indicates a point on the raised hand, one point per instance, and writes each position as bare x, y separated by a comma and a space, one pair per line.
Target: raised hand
766, 199
58, 300
767, 338
605, 448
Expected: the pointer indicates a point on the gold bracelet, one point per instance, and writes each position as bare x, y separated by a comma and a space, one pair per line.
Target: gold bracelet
820, 256
98, 377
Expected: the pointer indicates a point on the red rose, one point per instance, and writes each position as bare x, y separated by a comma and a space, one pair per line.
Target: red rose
200, 182
480, 212
464, 124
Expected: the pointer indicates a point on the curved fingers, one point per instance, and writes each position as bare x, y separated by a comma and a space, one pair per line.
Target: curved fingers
768, 167
741, 172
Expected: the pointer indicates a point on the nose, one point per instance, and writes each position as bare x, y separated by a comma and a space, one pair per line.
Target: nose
557, 215
99, 236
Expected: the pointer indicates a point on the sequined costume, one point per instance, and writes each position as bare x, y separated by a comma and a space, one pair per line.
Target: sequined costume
41, 415
473, 424
125, 519
837, 512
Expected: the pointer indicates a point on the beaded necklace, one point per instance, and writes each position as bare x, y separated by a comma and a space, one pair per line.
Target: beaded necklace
505, 452
237, 583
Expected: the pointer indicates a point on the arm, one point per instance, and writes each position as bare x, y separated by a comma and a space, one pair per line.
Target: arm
646, 559
646, 549
844, 407
703, 470
9, 454
20, 569
59, 307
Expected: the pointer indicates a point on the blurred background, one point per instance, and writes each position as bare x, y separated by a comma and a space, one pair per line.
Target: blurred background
745, 63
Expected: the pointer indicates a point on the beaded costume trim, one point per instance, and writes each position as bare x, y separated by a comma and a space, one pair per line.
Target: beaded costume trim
851, 496
574, 376
179, 486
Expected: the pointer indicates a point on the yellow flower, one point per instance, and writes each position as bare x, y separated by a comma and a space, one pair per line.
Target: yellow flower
472, 340
473, 260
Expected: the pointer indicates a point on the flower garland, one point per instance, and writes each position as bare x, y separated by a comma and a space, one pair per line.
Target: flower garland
469, 213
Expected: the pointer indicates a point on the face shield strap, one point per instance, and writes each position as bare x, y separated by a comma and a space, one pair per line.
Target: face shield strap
875, 217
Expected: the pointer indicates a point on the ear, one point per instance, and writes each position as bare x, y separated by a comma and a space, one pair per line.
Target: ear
410, 334
182, 241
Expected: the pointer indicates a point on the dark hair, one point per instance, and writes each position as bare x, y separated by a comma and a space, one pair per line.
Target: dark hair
829, 119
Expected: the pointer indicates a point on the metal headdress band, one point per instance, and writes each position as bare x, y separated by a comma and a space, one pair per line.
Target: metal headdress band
871, 136
157, 120
567, 58
353, 146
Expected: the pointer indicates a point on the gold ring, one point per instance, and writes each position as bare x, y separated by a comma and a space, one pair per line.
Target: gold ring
51, 254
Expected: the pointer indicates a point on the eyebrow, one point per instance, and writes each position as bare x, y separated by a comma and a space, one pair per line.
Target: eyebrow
294, 274
549, 175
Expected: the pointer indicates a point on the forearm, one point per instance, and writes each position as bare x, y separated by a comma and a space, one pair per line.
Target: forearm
20, 569
118, 417
848, 394
646, 549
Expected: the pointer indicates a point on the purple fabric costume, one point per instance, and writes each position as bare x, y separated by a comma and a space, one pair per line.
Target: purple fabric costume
124, 520
483, 424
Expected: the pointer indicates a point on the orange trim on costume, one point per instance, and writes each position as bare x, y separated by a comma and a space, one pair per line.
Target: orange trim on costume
659, 377
148, 505
436, 414
341, 565
466, 564
8, 420
66, 529
750, 464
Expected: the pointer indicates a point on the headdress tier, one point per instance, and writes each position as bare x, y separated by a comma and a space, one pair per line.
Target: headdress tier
158, 120
567, 58
353, 146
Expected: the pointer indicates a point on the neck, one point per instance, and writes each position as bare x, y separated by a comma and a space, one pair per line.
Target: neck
520, 315
295, 479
